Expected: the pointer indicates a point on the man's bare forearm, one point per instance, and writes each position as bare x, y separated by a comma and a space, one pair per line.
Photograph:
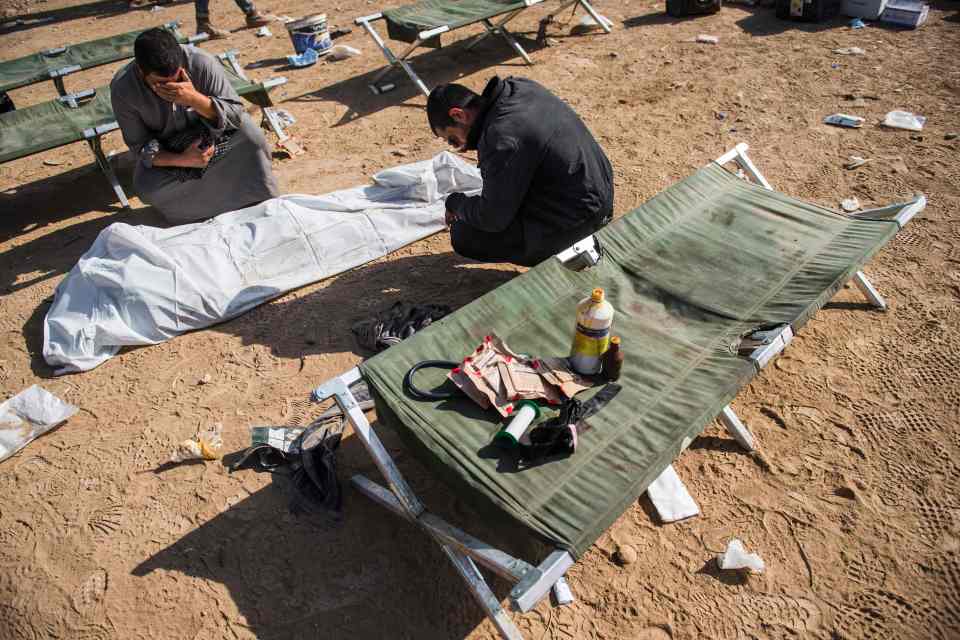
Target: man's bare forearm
168, 159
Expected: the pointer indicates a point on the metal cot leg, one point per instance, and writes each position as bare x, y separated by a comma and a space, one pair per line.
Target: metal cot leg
501, 28
104, 162
413, 509
603, 22
736, 429
392, 59
868, 290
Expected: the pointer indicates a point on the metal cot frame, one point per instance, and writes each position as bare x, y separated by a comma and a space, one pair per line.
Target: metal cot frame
490, 28
532, 583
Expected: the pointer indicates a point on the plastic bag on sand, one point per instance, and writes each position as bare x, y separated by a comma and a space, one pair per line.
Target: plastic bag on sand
904, 120
588, 23
342, 52
736, 557
205, 445
28, 415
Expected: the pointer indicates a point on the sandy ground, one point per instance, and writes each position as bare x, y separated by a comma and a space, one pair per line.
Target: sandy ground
853, 500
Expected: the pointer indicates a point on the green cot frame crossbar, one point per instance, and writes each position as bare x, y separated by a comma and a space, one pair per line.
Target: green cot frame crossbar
532, 582
57, 63
505, 15
97, 100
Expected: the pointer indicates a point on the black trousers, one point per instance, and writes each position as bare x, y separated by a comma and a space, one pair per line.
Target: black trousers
511, 245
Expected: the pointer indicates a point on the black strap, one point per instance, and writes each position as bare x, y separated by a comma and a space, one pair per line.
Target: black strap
420, 394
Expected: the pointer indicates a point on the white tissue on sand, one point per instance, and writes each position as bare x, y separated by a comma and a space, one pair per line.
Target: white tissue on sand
736, 557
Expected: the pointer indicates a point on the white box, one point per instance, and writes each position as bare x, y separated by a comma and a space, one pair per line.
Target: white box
905, 13
866, 9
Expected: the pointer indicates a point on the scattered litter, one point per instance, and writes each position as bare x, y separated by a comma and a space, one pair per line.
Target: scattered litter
720, 115
849, 51
286, 439
561, 591
949, 136
264, 32
587, 24
736, 557
835, 65
206, 379
205, 445
52, 163
905, 13
670, 497
626, 554
400, 152
855, 161
284, 19
705, 39
306, 59
156, 8
904, 120
857, 23
291, 147
310, 460
342, 52
339, 32
551, 42
844, 120
850, 205
285, 117
27, 416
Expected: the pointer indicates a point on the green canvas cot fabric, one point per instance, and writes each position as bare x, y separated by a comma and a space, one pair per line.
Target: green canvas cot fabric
86, 55
405, 23
51, 124
688, 272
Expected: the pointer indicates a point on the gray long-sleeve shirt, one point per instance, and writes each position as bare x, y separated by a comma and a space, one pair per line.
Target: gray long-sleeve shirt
243, 177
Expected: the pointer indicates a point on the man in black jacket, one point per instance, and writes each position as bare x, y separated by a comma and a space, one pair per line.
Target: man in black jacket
546, 181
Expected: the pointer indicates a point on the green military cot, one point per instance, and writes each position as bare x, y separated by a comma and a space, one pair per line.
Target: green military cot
54, 64
423, 22
710, 279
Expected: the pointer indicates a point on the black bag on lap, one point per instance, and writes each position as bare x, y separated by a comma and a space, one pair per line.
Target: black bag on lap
6, 103
681, 8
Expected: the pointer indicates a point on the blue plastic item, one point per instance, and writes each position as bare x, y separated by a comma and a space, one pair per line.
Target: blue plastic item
308, 58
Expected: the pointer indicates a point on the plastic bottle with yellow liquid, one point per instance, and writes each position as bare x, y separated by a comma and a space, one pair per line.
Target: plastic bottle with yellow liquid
592, 337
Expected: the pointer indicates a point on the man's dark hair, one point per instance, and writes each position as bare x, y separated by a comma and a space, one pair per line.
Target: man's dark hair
445, 97
157, 51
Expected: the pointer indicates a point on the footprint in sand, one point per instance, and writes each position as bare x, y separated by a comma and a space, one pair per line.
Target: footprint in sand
106, 519
91, 591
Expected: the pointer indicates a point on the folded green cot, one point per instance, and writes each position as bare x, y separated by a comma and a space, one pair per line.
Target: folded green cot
710, 279
422, 23
88, 115
54, 64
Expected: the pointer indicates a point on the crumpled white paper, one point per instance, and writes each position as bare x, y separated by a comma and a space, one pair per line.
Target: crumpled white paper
27, 416
736, 557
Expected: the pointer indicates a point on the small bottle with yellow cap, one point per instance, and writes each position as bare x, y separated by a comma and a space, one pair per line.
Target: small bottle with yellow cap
592, 336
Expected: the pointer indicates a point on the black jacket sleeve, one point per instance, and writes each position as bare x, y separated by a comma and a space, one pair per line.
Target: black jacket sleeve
507, 172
